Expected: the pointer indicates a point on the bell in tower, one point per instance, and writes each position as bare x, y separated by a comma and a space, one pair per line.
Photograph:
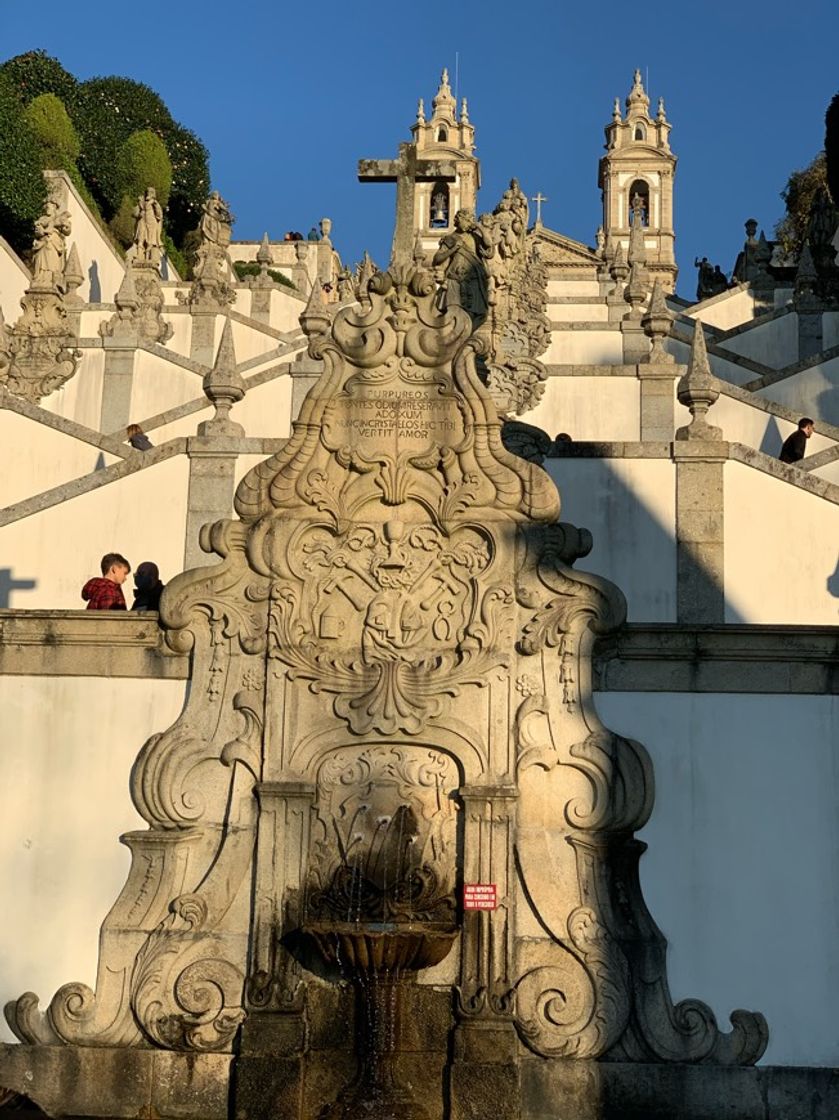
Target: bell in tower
636, 178
447, 135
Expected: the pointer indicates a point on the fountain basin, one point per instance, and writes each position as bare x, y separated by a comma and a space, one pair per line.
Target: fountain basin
382, 947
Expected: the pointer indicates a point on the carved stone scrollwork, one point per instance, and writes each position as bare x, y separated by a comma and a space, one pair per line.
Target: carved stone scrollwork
599, 988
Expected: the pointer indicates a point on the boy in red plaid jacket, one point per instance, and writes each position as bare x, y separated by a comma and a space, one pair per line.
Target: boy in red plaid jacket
105, 594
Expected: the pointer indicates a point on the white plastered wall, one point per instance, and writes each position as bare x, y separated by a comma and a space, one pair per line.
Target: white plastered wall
576, 348
141, 516
812, 392
589, 408
629, 507
773, 343
781, 551
67, 748
736, 307
14, 279
742, 871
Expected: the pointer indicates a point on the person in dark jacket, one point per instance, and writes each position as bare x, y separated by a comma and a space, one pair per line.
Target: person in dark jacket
105, 594
147, 587
138, 438
796, 444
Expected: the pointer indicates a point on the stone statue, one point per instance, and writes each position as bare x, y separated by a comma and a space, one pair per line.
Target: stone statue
49, 250
148, 229
711, 280
461, 256
211, 287
216, 229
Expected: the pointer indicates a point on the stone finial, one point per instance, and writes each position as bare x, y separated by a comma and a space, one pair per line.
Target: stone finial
420, 111
223, 386
464, 111
616, 111
619, 269
73, 277
763, 253
637, 98
443, 103
657, 323
661, 116
263, 253
325, 225
419, 251
315, 319
697, 390
636, 291
806, 278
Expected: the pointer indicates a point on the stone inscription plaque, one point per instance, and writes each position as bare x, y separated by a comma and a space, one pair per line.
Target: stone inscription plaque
400, 417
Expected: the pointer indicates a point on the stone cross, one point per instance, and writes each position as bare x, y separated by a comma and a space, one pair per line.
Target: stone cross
538, 198
406, 171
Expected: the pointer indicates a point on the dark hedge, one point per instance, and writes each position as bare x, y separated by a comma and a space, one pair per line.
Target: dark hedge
23, 191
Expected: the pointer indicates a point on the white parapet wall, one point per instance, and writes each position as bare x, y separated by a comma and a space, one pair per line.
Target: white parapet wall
67, 750
741, 870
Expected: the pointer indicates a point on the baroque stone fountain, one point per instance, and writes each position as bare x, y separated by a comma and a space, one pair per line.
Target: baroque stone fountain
391, 702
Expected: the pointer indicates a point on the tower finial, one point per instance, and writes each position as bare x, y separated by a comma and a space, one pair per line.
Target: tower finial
638, 99
444, 103
421, 111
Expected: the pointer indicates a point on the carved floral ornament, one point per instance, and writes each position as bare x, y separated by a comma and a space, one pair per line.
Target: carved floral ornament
394, 623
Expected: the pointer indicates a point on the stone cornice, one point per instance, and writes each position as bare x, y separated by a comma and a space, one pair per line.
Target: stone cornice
640, 657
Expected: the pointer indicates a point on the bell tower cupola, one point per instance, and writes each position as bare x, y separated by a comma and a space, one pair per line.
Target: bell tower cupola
639, 165
448, 135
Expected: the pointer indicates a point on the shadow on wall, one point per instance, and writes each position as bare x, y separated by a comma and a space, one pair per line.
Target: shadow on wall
95, 287
8, 585
634, 546
833, 582
828, 399
772, 439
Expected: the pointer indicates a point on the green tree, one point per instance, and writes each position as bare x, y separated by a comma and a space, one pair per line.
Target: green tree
798, 196
108, 111
34, 73
51, 124
23, 191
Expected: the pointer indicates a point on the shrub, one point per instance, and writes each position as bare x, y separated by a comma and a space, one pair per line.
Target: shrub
108, 111
23, 191
798, 195
144, 162
51, 124
35, 73
252, 268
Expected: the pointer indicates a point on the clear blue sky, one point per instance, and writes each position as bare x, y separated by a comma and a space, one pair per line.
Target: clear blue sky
287, 97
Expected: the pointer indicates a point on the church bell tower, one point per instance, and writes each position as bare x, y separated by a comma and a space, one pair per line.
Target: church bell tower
448, 135
638, 161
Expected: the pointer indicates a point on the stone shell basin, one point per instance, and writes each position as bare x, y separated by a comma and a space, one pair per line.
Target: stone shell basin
380, 947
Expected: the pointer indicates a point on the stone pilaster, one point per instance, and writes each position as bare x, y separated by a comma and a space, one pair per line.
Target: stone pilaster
657, 403
202, 346
636, 345
212, 468
700, 531
117, 384
700, 454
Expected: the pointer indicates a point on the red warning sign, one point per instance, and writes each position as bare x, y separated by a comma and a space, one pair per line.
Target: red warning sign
480, 896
